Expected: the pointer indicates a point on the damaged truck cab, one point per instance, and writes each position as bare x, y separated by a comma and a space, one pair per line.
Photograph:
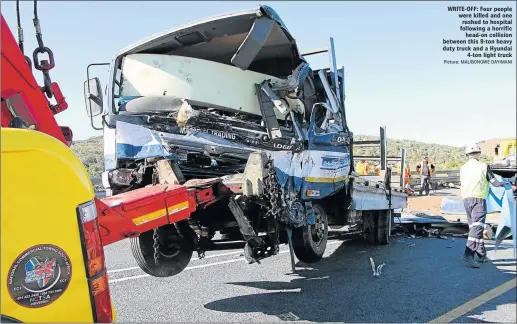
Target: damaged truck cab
230, 103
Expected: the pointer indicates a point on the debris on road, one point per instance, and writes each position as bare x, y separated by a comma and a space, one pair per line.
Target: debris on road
288, 317
376, 271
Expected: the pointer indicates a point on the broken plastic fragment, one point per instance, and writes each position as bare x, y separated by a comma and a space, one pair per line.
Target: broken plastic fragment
376, 271
185, 113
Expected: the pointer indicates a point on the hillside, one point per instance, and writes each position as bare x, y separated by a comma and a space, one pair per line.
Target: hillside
90, 152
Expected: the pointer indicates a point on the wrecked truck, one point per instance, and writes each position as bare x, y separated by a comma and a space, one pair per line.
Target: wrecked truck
230, 104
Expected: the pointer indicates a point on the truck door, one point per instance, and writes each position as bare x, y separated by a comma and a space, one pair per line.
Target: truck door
326, 163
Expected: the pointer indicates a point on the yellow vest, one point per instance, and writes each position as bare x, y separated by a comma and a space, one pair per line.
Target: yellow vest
362, 168
473, 179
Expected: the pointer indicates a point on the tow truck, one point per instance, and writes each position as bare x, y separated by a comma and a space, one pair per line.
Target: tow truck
52, 261
228, 112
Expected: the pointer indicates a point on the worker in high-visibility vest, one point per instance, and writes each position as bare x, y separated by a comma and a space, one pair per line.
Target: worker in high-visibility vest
377, 170
475, 177
362, 167
407, 175
426, 170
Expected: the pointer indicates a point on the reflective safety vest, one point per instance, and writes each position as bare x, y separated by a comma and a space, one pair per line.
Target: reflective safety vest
362, 168
473, 179
407, 174
421, 169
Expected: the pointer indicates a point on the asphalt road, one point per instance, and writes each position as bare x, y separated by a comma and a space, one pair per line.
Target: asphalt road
422, 279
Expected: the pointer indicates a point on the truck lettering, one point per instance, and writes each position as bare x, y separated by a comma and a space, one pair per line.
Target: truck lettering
282, 146
223, 134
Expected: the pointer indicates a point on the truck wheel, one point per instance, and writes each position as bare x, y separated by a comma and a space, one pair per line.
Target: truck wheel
310, 242
174, 252
383, 227
377, 226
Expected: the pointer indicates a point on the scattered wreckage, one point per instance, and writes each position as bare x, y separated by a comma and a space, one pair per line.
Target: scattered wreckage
230, 104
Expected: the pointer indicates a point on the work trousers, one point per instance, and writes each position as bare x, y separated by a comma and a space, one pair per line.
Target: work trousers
476, 214
425, 184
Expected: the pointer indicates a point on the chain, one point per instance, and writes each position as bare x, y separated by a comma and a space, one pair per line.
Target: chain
274, 194
273, 191
201, 248
156, 244
20, 34
20, 29
44, 65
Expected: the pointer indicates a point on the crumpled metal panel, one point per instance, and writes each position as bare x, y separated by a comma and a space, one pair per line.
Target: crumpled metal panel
321, 172
136, 142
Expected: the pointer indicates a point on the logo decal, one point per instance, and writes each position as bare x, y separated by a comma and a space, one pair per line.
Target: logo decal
334, 162
39, 276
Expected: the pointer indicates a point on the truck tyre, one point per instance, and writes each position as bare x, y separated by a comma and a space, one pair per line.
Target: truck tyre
310, 242
377, 226
175, 251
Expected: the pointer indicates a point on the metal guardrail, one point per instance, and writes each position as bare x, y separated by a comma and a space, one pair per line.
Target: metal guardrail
439, 177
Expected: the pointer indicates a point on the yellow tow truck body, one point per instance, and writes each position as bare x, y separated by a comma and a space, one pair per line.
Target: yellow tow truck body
43, 258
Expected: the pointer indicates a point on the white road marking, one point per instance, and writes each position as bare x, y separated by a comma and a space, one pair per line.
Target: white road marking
206, 257
193, 267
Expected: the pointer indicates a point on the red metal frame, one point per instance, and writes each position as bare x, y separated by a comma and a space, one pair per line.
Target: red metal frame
132, 213
17, 78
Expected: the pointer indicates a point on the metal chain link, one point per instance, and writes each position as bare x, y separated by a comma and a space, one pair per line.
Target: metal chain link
44, 65
273, 191
156, 244
20, 29
20, 34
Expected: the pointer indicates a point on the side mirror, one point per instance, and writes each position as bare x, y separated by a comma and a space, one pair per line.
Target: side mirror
93, 97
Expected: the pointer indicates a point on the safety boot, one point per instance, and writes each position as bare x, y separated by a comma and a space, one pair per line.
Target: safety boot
471, 262
483, 259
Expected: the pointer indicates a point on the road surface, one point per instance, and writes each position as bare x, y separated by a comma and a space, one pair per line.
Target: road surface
423, 278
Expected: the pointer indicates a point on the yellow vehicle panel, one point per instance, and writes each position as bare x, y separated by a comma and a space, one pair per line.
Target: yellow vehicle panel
42, 184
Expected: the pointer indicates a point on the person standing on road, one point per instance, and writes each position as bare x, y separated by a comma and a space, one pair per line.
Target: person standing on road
362, 167
475, 177
377, 169
426, 170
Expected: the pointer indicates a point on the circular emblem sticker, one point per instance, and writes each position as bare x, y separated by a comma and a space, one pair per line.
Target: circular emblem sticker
39, 276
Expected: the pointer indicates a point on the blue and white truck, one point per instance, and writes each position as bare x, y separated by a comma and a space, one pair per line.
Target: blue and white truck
231, 101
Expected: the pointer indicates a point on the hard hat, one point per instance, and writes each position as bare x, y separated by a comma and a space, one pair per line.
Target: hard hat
473, 148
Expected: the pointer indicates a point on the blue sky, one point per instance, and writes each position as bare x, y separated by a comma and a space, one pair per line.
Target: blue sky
392, 53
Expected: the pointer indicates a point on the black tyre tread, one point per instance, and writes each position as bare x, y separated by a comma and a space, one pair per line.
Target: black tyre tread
166, 268
369, 233
139, 257
302, 242
379, 235
382, 229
